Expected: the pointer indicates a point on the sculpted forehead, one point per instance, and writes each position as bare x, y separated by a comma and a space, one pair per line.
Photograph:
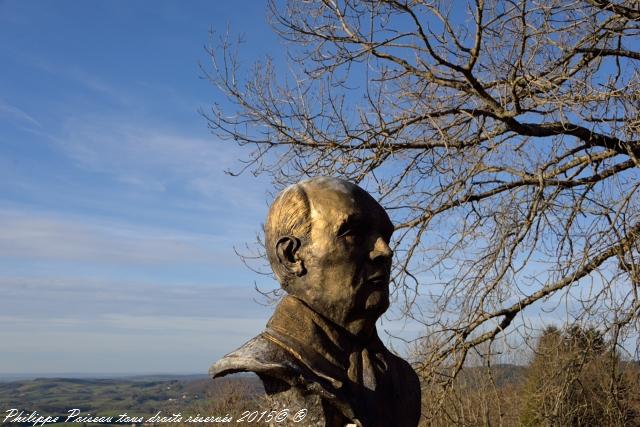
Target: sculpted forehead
333, 201
333, 197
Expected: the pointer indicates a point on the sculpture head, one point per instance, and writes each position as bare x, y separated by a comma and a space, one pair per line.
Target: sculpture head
328, 244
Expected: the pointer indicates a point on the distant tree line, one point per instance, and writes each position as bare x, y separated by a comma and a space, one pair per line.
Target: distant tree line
575, 377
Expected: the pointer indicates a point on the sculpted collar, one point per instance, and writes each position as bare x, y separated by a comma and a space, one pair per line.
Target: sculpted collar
326, 349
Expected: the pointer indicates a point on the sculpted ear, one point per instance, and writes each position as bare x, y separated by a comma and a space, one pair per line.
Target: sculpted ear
287, 252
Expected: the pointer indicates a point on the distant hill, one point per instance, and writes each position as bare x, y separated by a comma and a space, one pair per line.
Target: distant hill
140, 395
94, 376
503, 374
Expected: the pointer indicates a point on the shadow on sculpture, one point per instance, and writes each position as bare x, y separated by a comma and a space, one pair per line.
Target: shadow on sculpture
328, 244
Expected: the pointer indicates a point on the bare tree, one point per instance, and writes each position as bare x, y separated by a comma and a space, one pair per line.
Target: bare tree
502, 136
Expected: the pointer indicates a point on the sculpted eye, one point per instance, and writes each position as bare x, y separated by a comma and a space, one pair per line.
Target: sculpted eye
349, 229
345, 233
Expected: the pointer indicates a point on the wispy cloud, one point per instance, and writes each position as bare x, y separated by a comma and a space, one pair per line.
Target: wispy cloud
207, 325
122, 343
16, 113
30, 235
160, 160
92, 325
87, 80
132, 324
32, 297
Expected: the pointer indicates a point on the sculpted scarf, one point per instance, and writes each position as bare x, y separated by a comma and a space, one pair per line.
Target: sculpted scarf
358, 368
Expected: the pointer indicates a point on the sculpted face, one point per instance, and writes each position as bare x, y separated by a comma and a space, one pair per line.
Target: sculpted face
347, 260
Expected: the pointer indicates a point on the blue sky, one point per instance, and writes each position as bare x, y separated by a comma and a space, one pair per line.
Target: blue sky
118, 221
119, 224
116, 250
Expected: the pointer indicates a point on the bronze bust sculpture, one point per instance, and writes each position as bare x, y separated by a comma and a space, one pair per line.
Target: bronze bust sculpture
328, 244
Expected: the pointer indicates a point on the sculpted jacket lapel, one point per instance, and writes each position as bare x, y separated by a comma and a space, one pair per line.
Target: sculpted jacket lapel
353, 367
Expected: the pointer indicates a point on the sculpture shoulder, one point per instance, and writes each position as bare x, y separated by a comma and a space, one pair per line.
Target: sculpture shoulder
404, 370
271, 362
287, 384
258, 355
406, 389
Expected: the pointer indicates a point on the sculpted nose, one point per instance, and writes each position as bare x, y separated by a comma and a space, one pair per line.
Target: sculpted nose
380, 249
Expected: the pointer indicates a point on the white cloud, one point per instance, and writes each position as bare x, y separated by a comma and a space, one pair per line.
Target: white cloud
175, 324
14, 112
120, 342
131, 324
26, 234
160, 160
41, 299
78, 75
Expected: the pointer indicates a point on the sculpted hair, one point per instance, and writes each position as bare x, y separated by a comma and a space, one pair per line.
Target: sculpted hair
289, 215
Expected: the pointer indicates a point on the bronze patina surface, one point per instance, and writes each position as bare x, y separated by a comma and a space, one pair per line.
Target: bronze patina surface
328, 244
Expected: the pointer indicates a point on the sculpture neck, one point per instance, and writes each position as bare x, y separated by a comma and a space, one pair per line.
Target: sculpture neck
296, 319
